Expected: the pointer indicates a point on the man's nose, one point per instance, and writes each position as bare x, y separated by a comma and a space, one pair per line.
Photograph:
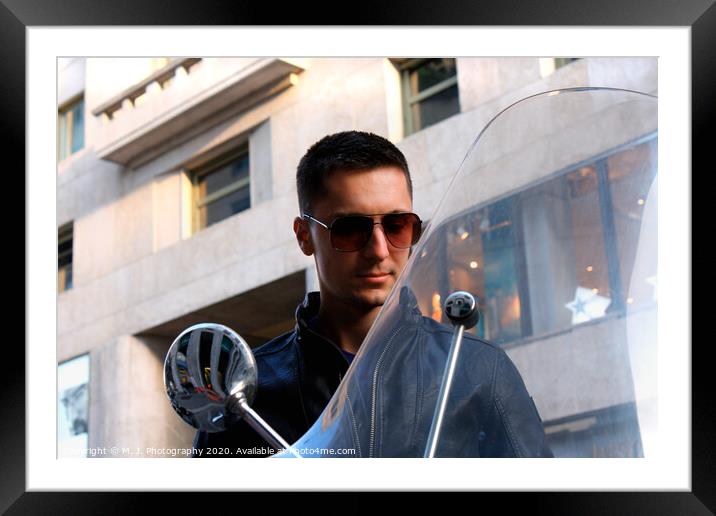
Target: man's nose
377, 246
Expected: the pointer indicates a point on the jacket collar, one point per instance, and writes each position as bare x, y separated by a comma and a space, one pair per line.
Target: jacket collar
307, 310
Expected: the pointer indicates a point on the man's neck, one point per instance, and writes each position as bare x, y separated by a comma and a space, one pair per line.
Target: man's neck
345, 325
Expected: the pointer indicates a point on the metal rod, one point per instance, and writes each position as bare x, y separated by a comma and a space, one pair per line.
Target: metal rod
262, 427
437, 423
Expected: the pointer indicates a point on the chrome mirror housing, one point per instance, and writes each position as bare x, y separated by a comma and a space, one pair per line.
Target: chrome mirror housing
207, 368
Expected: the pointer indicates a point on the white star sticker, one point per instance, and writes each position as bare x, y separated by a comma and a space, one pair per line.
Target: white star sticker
587, 305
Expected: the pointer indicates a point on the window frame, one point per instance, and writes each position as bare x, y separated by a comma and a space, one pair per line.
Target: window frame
408, 99
210, 167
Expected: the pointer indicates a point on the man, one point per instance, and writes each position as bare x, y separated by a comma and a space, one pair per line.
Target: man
355, 196
370, 177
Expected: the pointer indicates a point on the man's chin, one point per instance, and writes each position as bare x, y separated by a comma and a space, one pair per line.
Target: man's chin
371, 297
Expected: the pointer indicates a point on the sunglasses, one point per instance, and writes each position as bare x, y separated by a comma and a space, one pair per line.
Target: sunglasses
352, 232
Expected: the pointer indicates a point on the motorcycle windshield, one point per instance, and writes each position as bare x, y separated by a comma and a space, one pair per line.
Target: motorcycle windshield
551, 223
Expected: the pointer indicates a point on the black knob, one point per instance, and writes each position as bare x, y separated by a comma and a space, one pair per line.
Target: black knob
461, 308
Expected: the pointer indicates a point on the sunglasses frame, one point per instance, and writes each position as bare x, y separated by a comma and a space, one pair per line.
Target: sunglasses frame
368, 216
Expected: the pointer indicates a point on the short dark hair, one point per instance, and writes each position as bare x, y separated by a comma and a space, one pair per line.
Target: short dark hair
345, 151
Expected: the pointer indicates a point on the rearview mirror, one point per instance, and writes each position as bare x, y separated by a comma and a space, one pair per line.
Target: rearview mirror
208, 367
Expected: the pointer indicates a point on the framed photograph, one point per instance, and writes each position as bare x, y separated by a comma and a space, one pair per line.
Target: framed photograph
112, 99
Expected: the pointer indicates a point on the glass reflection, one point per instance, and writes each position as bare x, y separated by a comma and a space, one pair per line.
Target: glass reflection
551, 256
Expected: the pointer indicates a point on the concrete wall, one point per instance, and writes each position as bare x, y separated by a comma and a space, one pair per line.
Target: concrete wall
573, 371
70, 78
128, 406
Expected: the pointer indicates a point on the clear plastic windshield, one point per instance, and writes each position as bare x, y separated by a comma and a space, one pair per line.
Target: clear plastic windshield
551, 222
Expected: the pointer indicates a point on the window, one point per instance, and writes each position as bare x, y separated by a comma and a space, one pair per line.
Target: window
548, 65
559, 62
73, 407
429, 92
221, 189
555, 255
71, 131
64, 258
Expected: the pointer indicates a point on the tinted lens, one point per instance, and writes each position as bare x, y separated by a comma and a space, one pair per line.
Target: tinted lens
351, 233
402, 229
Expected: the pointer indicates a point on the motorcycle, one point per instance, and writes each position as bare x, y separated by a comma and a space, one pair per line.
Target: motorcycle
530, 299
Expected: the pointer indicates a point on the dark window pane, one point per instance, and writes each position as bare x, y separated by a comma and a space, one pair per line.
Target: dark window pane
430, 73
501, 301
224, 176
64, 258
65, 247
225, 207
478, 253
436, 108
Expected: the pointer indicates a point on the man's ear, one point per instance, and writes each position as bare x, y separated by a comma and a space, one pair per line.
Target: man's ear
303, 236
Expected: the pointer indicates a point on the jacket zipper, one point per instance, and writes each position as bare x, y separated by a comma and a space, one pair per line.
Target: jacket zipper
371, 442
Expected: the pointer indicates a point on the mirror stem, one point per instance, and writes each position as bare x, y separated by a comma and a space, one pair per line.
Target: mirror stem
448, 375
257, 423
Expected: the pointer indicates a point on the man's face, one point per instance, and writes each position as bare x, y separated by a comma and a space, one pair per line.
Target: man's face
345, 276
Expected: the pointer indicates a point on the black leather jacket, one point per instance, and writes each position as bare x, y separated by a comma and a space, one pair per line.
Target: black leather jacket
386, 403
394, 393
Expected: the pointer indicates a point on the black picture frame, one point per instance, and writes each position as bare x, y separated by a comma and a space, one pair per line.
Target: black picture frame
17, 15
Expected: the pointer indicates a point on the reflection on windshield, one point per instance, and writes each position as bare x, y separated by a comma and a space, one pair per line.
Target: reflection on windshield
575, 231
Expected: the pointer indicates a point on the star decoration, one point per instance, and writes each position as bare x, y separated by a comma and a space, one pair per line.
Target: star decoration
587, 305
